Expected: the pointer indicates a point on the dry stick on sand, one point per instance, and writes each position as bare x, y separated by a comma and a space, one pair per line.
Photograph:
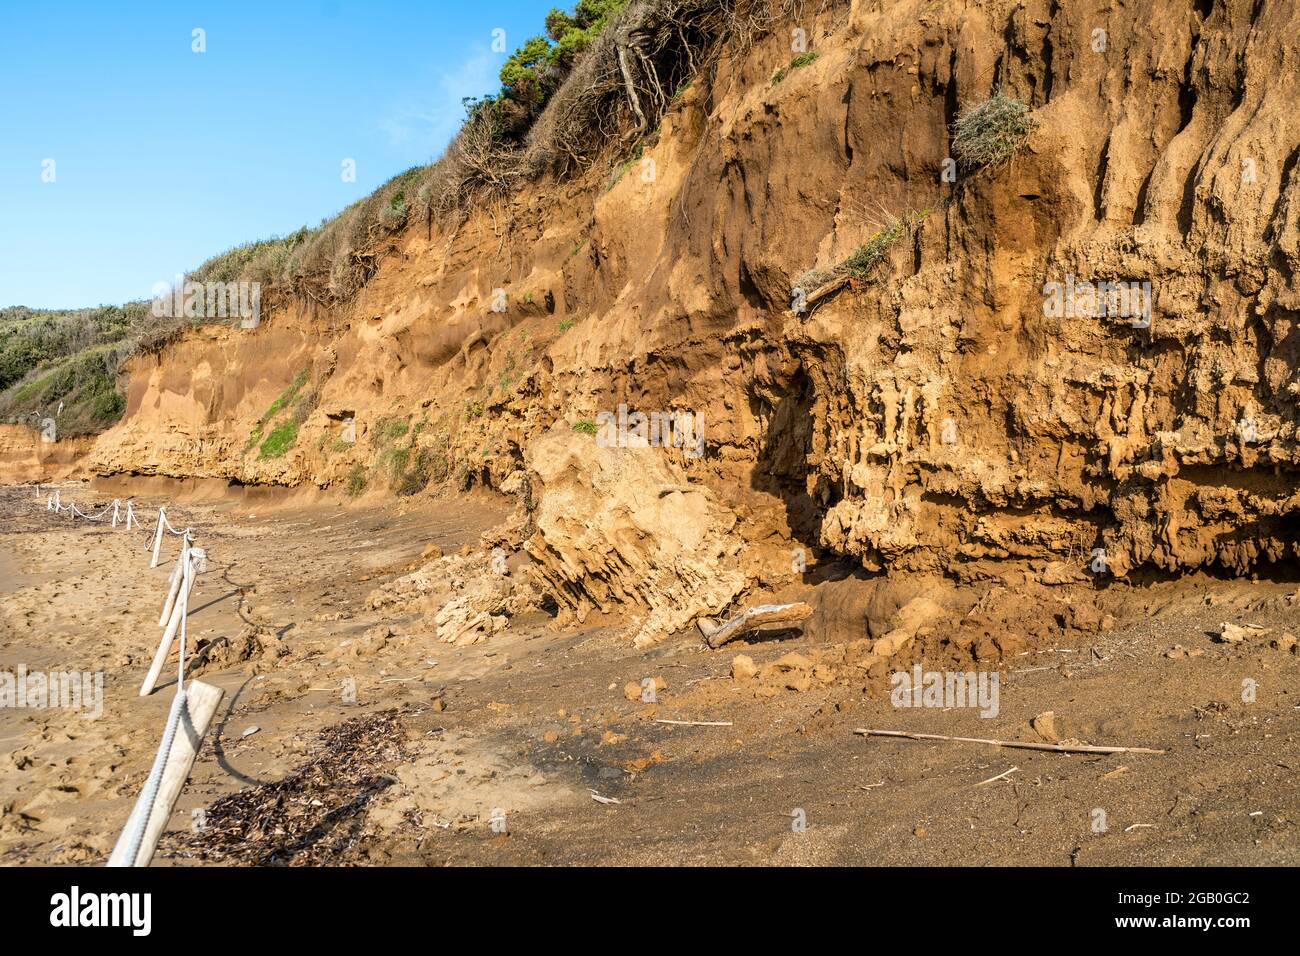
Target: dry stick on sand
1058, 748
1002, 776
693, 723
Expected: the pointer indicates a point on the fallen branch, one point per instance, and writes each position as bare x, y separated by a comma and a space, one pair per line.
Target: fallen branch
693, 723
1057, 748
763, 615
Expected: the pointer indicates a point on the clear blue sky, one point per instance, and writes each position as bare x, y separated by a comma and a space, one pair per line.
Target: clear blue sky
164, 157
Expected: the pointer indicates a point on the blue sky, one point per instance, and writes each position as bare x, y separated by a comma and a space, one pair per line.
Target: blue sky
164, 156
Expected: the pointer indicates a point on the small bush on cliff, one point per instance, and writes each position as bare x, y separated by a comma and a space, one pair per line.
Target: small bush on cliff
416, 478
869, 255
585, 425
864, 259
989, 133
388, 429
355, 483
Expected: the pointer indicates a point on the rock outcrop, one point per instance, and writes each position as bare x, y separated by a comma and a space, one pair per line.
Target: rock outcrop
622, 527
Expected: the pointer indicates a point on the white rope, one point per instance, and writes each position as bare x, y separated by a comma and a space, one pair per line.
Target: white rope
187, 582
100, 516
168, 525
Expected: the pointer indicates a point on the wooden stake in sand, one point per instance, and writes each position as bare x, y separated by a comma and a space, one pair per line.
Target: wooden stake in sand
201, 702
1019, 745
173, 589
115, 507
179, 608
763, 615
130, 516
157, 536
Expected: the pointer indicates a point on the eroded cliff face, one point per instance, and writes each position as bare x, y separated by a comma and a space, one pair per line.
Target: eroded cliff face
945, 415
26, 457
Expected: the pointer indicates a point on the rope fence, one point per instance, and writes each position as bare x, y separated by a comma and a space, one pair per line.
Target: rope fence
193, 707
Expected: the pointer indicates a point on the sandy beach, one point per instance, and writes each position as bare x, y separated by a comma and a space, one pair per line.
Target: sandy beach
350, 735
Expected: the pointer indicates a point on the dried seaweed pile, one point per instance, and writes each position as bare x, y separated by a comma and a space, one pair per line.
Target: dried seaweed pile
314, 815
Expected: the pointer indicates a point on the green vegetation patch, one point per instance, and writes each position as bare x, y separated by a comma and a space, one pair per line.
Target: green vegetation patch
280, 440
803, 59
284, 435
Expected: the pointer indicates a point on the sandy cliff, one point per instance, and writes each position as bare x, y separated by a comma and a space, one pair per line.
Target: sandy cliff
944, 416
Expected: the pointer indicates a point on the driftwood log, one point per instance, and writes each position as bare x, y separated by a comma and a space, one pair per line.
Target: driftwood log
762, 615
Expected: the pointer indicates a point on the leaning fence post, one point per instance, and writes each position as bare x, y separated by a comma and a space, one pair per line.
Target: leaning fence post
179, 606
157, 536
174, 588
130, 515
198, 709
115, 506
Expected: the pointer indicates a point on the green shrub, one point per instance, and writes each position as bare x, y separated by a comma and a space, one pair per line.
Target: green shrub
867, 256
585, 425
388, 429
355, 483
989, 133
416, 478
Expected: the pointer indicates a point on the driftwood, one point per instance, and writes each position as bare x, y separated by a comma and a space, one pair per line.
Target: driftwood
826, 290
1019, 745
762, 615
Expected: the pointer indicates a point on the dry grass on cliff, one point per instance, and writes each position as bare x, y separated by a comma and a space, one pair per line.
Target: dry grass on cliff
988, 133
862, 262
